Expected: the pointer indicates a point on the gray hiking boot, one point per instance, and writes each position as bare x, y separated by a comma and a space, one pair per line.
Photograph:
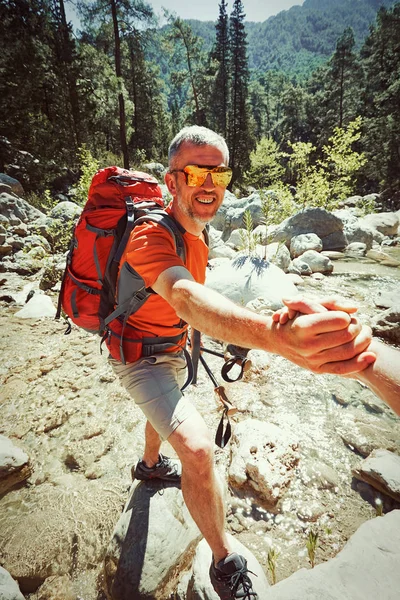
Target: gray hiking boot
166, 469
230, 580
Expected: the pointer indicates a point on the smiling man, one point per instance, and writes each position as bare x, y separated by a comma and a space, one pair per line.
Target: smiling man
330, 342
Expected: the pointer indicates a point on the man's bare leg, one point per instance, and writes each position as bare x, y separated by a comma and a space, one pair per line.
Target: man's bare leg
152, 446
200, 488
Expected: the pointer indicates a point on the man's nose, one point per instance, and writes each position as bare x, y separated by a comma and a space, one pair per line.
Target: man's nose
208, 184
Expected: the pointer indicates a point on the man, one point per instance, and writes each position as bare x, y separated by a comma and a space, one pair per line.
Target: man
331, 342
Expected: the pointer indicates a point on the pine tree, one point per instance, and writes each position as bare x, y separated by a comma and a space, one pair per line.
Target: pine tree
221, 55
239, 138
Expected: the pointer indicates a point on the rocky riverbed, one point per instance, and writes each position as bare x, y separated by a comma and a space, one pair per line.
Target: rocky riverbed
63, 406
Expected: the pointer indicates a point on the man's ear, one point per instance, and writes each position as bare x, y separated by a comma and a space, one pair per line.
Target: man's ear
170, 183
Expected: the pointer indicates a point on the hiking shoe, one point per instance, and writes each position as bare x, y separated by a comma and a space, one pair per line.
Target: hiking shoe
166, 470
230, 580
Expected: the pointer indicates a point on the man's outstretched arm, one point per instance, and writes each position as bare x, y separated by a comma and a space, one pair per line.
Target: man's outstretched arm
332, 342
382, 376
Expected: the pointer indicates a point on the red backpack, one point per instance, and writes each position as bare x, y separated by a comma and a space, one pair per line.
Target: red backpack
117, 201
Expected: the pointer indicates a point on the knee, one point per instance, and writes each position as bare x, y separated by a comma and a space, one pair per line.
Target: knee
199, 456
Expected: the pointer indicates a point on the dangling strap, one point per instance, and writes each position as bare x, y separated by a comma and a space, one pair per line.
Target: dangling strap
221, 437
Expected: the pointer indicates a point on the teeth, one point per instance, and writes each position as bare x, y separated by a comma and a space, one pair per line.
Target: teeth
205, 200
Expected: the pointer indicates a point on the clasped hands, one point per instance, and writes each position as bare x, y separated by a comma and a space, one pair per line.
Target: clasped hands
323, 336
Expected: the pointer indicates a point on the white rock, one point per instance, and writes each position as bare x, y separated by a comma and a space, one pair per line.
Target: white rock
305, 241
38, 306
9, 589
381, 470
366, 568
245, 278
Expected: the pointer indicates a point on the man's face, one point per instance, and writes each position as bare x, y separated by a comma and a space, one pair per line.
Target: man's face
195, 206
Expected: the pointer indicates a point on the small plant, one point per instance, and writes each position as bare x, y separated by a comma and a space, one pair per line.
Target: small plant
272, 558
248, 238
42, 201
88, 166
312, 545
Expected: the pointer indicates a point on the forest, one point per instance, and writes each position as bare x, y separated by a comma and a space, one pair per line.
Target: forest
307, 98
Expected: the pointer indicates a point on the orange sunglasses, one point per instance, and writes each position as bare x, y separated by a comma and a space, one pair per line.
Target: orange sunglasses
196, 175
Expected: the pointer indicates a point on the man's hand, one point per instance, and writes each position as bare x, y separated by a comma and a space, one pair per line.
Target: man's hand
323, 336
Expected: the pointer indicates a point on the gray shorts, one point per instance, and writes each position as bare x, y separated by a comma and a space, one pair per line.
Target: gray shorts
154, 383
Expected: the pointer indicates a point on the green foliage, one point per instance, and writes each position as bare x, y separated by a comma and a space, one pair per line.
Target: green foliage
273, 556
277, 205
332, 178
265, 164
312, 545
248, 238
88, 167
42, 201
60, 235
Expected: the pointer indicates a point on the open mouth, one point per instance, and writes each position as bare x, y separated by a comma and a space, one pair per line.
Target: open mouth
205, 199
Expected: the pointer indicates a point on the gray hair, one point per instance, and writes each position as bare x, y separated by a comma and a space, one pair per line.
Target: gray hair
198, 136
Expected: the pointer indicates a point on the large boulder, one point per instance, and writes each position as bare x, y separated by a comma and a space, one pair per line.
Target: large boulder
366, 568
200, 587
12, 207
357, 232
313, 220
231, 212
15, 186
147, 551
386, 223
66, 211
246, 278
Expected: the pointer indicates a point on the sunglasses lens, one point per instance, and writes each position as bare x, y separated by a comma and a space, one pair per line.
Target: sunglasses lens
196, 176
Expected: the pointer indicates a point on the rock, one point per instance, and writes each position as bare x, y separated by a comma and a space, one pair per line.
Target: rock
248, 277
356, 249
9, 589
367, 567
237, 239
317, 262
383, 258
386, 223
56, 513
368, 433
303, 242
357, 233
299, 267
279, 255
147, 552
313, 220
200, 587
387, 324
332, 254
56, 588
381, 470
66, 211
35, 241
43, 226
387, 299
14, 184
38, 306
263, 460
231, 212
14, 465
319, 474
295, 278
16, 209
156, 169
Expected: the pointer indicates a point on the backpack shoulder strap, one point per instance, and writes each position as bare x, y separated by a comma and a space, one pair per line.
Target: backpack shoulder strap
169, 223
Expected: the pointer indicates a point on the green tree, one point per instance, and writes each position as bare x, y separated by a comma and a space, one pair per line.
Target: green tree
220, 98
266, 167
240, 141
381, 111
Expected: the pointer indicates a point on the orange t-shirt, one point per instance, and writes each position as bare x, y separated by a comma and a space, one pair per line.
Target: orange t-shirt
150, 251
